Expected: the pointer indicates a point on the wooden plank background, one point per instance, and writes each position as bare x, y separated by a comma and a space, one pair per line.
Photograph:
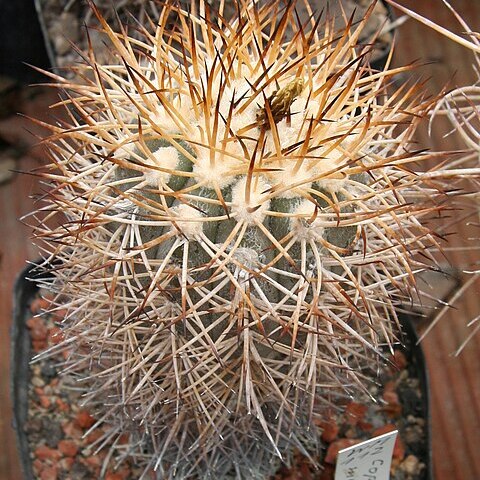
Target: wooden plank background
455, 381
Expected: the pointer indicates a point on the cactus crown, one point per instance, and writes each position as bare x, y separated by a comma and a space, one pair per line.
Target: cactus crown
236, 224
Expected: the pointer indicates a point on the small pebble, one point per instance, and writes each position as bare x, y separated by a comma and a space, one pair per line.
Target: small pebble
413, 434
33, 426
94, 436
123, 439
61, 405
393, 408
83, 419
336, 446
66, 463
350, 432
72, 430
68, 447
125, 472
365, 426
52, 431
38, 382
60, 314
94, 461
355, 412
44, 401
80, 472
38, 330
49, 473
38, 465
48, 390
113, 476
39, 305
55, 335
411, 465
43, 452
48, 372
329, 430
39, 345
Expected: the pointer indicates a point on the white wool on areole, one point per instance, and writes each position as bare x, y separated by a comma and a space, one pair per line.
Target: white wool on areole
304, 224
250, 207
214, 168
186, 221
164, 158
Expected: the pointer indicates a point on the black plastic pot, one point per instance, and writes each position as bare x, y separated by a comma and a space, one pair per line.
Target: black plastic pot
26, 289
416, 359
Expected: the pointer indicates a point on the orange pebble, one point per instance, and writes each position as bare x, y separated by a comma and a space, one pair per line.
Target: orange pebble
44, 401
38, 465
67, 463
83, 419
39, 345
49, 473
336, 446
68, 447
61, 405
55, 335
39, 304
38, 330
113, 476
43, 452
60, 314
355, 412
72, 430
93, 461
329, 430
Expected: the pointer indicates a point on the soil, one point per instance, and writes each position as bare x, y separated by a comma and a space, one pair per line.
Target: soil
63, 445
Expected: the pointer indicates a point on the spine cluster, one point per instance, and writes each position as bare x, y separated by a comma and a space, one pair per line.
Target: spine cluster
233, 214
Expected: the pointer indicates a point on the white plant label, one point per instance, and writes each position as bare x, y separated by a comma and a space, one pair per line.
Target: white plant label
369, 460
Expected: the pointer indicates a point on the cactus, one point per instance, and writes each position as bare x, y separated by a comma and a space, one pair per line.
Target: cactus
232, 217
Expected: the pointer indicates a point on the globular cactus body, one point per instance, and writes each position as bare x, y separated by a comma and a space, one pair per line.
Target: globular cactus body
237, 227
